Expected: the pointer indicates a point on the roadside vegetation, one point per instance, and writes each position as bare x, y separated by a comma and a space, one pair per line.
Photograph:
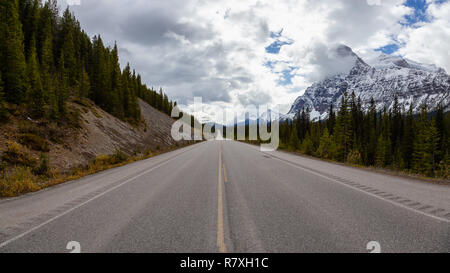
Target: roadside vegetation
21, 173
395, 140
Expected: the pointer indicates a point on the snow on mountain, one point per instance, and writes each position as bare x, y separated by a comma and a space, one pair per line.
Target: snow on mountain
270, 115
382, 79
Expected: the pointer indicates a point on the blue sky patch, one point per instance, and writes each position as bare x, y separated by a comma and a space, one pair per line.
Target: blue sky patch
388, 49
279, 42
287, 75
270, 64
275, 47
276, 34
420, 12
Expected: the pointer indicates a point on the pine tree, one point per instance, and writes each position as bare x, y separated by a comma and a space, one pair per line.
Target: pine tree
420, 156
45, 53
166, 104
380, 157
45, 38
396, 132
396, 123
294, 142
139, 86
36, 94
29, 17
372, 133
353, 122
116, 84
407, 143
12, 56
61, 91
431, 149
315, 135
3, 112
126, 76
386, 132
343, 133
161, 100
284, 132
327, 148
66, 37
96, 69
358, 128
69, 59
440, 127
331, 122
136, 111
307, 146
84, 85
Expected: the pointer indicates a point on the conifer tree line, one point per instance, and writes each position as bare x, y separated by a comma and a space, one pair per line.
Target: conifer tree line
396, 139
47, 59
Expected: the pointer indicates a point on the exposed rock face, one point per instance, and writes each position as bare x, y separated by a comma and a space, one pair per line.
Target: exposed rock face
387, 76
103, 134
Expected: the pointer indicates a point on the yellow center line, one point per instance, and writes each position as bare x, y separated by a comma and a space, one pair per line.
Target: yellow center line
220, 233
225, 178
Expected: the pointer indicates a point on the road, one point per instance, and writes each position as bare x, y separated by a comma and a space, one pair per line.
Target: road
226, 196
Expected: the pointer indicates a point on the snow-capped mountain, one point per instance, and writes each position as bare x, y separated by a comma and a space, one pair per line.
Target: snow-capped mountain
384, 78
267, 116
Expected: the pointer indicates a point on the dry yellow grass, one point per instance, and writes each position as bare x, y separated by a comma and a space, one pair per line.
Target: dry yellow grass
19, 182
22, 180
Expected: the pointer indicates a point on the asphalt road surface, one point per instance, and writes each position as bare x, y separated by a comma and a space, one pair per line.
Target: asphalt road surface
226, 196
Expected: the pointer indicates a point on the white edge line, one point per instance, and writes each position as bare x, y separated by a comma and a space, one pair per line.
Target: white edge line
3, 244
368, 193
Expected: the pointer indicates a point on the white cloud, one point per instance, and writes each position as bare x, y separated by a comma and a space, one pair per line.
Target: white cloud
216, 49
430, 42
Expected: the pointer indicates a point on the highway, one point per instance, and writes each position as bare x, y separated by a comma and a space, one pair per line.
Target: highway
229, 197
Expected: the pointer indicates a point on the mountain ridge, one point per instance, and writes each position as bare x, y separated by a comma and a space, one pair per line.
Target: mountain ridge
382, 79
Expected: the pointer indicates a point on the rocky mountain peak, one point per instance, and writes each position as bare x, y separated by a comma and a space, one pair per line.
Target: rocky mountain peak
345, 51
382, 79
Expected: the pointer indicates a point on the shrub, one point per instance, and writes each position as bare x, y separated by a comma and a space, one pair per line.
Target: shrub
4, 115
2, 166
34, 142
20, 181
83, 102
307, 146
16, 154
327, 147
44, 166
54, 133
28, 127
118, 157
96, 114
443, 170
354, 157
101, 160
74, 119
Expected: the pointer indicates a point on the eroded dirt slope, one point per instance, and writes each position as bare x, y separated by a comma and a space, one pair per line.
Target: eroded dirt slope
96, 133
103, 134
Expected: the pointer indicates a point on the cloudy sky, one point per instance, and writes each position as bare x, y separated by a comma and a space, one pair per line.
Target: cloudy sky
236, 52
